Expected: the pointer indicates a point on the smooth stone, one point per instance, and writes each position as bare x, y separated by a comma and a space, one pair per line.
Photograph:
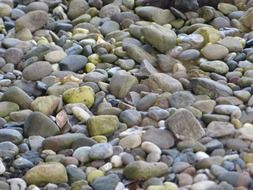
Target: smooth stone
55, 56
18, 96
17, 184
37, 6
234, 44
158, 113
109, 10
2, 167
205, 106
73, 63
33, 20
35, 142
46, 104
109, 26
146, 102
218, 129
164, 82
184, 125
4, 185
75, 174
246, 18
82, 154
189, 55
121, 84
226, 8
181, 99
22, 163
214, 66
130, 142
93, 175
210, 35
8, 149
102, 125
108, 182
56, 173
203, 185
66, 141
131, 117
141, 170
7, 107
84, 94
247, 131
13, 55
101, 151
81, 114
5, 10
76, 8
194, 145
39, 124
209, 87
159, 37
11, 135
37, 70
236, 179
150, 147
232, 110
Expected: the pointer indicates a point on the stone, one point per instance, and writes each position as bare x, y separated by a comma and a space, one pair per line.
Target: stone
66, 141
158, 113
17, 183
11, 135
205, 106
77, 8
7, 107
246, 18
82, 154
210, 35
227, 8
73, 63
109, 26
218, 129
150, 147
214, 66
121, 84
233, 44
37, 6
184, 125
81, 114
13, 55
93, 175
155, 14
5, 10
209, 87
214, 51
109, 10
205, 185
2, 167
84, 94
194, 145
18, 96
8, 149
130, 142
101, 151
131, 117
37, 70
33, 20
39, 124
141, 170
74, 173
108, 182
55, 56
56, 173
164, 82
236, 179
159, 37
246, 131
46, 104
181, 99
162, 138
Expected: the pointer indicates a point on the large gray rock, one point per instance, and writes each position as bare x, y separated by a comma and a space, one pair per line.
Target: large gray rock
73, 63
236, 179
76, 8
184, 125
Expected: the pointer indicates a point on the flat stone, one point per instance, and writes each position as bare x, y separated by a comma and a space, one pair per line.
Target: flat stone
184, 125
214, 66
218, 129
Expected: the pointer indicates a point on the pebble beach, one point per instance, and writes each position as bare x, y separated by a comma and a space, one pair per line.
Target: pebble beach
126, 95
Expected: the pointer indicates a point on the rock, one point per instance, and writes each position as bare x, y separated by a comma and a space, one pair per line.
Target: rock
159, 37
158, 113
102, 125
81, 114
140, 170
194, 145
46, 104
231, 110
109, 10
181, 99
184, 125
33, 20
82, 154
227, 8
162, 138
8, 149
121, 84
75, 174
155, 14
55, 56
214, 51
191, 5
13, 55
77, 8
2, 167
164, 82
39, 124
130, 142
37, 70
247, 131
205, 106
210, 35
236, 179
109, 26
218, 129
11, 135
205, 185
84, 94
131, 117
209, 87
7, 107
146, 102
233, 44
56, 173
101, 151
66, 141
17, 183
214, 66
5, 10
73, 63
5, 185
37, 6
18, 96
246, 18
106, 182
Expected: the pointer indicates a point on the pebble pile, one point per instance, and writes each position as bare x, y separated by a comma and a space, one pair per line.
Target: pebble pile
126, 95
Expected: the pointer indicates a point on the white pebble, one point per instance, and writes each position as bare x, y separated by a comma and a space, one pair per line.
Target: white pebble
17, 184
116, 161
150, 147
201, 155
80, 114
120, 186
2, 167
200, 177
106, 167
33, 187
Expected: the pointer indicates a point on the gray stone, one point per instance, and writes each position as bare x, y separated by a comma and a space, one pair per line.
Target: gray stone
101, 151
10, 135
73, 63
107, 182
181, 99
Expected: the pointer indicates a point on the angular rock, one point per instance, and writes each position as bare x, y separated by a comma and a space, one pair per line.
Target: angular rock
46, 104
184, 125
